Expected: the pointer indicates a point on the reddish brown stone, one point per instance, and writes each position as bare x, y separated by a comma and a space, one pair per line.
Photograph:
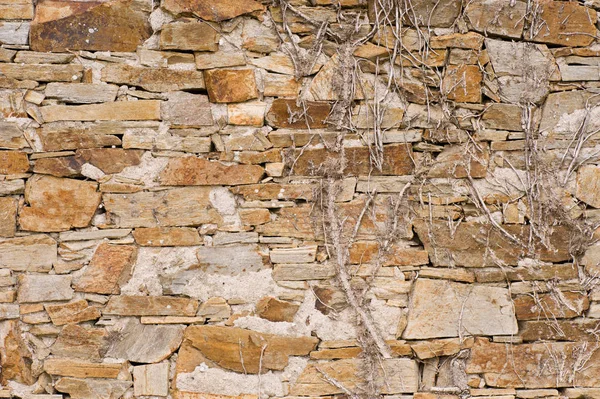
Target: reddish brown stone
397, 161
58, 204
80, 342
565, 23
117, 25
215, 10
230, 85
274, 309
192, 171
472, 244
565, 305
462, 83
286, 114
108, 160
559, 330
15, 356
227, 346
108, 269
368, 252
73, 312
540, 365
13, 162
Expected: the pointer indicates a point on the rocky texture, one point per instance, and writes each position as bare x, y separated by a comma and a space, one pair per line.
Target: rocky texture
100, 26
246, 351
299, 199
109, 268
191, 171
472, 309
58, 204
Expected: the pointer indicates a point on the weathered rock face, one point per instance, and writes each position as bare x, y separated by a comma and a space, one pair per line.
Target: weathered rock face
253, 199
109, 268
191, 171
58, 204
531, 365
246, 351
471, 309
143, 343
401, 377
218, 10
116, 25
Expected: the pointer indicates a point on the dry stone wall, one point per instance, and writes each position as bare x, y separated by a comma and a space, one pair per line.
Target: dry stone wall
299, 199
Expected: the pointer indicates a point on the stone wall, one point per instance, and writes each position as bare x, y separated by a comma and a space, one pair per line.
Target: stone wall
299, 199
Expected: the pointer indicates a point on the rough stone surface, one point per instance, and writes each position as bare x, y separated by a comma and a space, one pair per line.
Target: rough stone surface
58, 204
227, 346
109, 268
230, 85
252, 199
192, 171
477, 310
109, 26
41, 288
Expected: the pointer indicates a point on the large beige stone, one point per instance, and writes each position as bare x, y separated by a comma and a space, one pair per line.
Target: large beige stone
44, 287
535, 365
588, 184
43, 72
58, 204
78, 388
398, 376
151, 379
230, 260
189, 35
153, 79
109, 26
81, 93
109, 268
192, 171
188, 206
467, 309
34, 253
121, 110
247, 351
81, 368
497, 17
143, 343
76, 341
11, 136
524, 69
16, 9
185, 109
217, 10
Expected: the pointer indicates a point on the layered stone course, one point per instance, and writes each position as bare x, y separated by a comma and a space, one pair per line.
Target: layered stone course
248, 199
